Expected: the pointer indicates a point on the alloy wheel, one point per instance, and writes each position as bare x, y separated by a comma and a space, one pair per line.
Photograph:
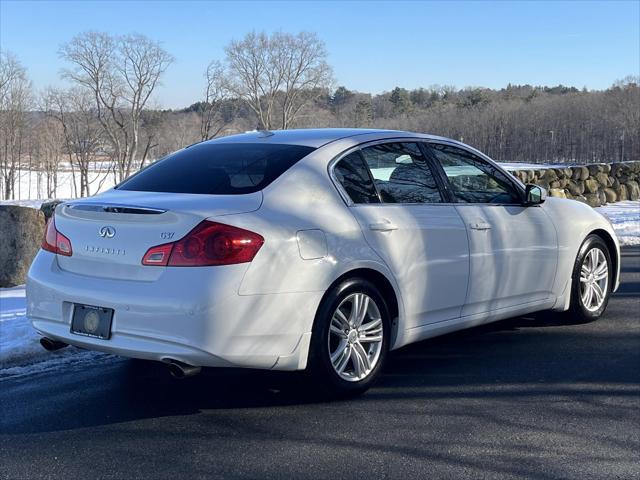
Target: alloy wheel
355, 337
594, 279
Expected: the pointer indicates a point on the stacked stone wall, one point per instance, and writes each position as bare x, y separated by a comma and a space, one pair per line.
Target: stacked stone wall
595, 184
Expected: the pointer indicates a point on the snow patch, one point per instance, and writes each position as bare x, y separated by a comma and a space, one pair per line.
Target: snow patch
20, 349
24, 203
31, 184
531, 166
625, 218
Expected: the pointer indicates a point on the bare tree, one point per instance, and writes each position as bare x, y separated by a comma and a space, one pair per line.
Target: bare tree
11, 73
121, 73
15, 101
151, 126
214, 118
48, 142
82, 133
176, 131
305, 72
278, 74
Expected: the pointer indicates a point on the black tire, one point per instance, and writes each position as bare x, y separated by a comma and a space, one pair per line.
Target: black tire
324, 378
578, 312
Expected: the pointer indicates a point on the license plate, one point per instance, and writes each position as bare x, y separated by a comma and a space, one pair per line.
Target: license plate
92, 321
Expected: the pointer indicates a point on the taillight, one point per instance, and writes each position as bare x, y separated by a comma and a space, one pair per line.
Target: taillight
208, 244
54, 241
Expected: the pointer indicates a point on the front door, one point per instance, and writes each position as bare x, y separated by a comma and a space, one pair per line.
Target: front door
513, 248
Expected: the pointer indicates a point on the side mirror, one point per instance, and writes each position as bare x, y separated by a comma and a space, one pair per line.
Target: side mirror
535, 195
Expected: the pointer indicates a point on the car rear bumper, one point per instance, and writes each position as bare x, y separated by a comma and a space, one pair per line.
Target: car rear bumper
193, 315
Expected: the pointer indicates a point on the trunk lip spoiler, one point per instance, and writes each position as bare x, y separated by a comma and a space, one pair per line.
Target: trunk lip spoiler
114, 208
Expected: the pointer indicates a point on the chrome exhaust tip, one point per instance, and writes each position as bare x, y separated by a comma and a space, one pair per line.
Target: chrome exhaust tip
182, 370
52, 345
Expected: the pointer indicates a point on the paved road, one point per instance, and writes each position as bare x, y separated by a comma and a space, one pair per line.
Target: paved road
526, 397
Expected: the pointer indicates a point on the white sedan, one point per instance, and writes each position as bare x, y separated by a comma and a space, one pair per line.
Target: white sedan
312, 249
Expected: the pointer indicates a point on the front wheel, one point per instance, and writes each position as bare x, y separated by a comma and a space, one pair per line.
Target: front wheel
350, 338
592, 279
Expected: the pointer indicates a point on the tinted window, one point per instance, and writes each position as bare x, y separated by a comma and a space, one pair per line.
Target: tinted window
401, 173
472, 179
352, 174
217, 168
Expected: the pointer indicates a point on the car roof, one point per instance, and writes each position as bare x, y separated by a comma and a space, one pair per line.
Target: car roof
311, 137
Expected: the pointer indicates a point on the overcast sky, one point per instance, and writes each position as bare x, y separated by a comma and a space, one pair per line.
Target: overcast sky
373, 46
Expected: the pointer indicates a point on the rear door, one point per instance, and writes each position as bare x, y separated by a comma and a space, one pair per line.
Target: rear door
423, 241
513, 247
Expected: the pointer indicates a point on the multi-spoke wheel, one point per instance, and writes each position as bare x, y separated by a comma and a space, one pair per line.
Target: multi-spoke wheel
594, 279
591, 281
350, 337
355, 337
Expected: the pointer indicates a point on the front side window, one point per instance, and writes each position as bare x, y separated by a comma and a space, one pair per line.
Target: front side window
472, 179
354, 177
217, 168
401, 173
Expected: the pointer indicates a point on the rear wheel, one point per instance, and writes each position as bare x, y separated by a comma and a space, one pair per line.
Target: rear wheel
350, 338
591, 285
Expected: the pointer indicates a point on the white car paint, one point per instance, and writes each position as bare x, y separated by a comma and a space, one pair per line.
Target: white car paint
435, 281
447, 269
513, 252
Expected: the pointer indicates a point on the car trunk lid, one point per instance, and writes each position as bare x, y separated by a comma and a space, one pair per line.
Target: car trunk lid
110, 233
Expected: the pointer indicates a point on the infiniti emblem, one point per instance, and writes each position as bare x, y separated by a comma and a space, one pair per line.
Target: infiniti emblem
107, 232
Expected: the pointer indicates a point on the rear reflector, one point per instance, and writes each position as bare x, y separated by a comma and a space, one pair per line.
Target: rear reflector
54, 241
208, 244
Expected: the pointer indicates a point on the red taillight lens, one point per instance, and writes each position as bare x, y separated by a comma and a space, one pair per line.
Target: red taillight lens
208, 244
49, 240
54, 241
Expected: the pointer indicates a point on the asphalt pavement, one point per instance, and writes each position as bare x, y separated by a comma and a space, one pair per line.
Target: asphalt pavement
527, 397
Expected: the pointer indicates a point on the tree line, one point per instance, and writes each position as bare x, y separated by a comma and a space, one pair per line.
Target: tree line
106, 122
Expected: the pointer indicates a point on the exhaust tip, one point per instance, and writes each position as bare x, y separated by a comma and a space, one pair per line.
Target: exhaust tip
182, 370
51, 345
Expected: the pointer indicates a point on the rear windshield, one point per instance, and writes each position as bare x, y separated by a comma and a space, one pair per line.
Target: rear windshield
217, 168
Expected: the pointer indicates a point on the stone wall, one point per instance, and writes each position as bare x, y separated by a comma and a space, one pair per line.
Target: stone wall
595, 184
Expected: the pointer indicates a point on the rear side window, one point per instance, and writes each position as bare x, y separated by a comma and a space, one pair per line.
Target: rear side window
401, 173
217, 168
353, 175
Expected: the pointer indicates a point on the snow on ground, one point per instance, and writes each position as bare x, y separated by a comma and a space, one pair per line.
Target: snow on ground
32, 184
625, 217
20, 350
530, 166
25, 203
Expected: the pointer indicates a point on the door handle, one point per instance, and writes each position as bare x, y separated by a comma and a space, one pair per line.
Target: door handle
480, 226
385, 226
